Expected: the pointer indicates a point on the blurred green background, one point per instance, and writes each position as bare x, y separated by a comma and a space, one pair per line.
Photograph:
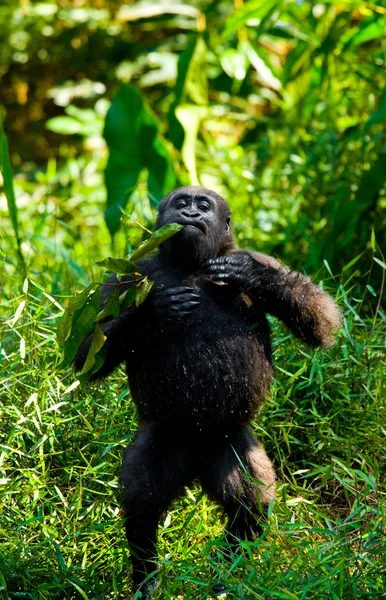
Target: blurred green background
280, 107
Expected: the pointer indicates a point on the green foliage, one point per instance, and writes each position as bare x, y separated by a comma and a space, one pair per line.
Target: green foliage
131, 133
83, 315
6, 172
279, 106
61, 527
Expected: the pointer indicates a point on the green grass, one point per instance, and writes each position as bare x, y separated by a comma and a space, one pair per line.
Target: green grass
61, 533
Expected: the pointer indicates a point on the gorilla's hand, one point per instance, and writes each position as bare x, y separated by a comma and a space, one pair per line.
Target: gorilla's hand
175, 302
239, 270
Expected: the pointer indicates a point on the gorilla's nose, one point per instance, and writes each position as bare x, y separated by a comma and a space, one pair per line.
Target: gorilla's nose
191, 213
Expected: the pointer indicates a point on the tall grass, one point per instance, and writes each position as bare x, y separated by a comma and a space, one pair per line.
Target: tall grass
61, 533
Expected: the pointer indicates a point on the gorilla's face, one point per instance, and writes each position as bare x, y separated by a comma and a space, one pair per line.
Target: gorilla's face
205, 217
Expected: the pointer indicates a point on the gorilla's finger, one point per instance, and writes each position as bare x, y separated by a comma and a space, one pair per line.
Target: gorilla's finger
184, 298
189, 305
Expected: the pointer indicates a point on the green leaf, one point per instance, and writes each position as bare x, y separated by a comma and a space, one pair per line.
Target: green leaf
98, 340
254, 9
6, 171
380, 262
111, 308
352, 262
83, 322
64, 125
143, 290
190, 117
370, 32
263, 70
127, 298
158, 237
118, 265
191, 85
372, 240
235, 63
132, 135
196, 82
65, 322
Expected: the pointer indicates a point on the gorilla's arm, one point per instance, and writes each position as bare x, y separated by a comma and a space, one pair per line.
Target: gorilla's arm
309, 312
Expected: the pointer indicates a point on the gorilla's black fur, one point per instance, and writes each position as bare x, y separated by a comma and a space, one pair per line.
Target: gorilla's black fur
199, 365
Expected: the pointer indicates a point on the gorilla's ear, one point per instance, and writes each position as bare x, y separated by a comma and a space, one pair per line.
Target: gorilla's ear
228, 222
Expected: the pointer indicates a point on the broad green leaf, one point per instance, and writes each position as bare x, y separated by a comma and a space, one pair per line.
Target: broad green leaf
98, 340
118, 265
157, 238
190, 117
196, 82
65, 322
131, 133
191, 85
83, 323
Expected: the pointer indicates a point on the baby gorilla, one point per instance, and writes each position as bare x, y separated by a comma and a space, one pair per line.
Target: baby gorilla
199, 364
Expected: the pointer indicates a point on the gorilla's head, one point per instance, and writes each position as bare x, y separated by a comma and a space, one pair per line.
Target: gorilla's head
206, 219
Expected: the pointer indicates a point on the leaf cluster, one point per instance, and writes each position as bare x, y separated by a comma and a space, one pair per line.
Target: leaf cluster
85, 312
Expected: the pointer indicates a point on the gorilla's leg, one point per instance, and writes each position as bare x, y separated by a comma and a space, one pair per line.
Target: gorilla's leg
154, 471
241, 477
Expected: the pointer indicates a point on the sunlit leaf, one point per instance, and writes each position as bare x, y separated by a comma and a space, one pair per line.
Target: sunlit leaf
64, 125
83, 322
263, 70
190, 117
118, 265
370, 32
191, 85
254, 9
235, 63
65, 322
98, 340
380, 262
157, 238
143, 289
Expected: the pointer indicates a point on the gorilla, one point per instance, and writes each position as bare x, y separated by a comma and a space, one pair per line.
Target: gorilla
199, 365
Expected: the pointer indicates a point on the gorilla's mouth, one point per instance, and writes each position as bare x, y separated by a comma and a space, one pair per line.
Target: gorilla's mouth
188, 223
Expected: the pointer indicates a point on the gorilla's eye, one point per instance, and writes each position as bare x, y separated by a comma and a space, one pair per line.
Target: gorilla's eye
180, 203
204, 206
